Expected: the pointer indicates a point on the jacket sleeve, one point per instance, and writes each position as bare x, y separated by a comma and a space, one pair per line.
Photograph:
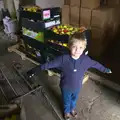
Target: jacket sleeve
52, 64
97, 65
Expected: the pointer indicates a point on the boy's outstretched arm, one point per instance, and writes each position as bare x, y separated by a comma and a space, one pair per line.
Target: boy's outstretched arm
97, 65
52, 64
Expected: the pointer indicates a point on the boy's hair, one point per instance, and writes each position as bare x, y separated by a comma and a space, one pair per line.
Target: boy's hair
77, 36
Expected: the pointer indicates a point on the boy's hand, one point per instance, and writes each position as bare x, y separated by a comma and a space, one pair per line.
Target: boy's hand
108, 70
30, 73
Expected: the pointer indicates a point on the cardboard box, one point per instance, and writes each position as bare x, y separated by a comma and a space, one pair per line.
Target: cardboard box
113, 3
75, 3
96, 45
101, 38
66, 14
101, 17
85, 17
72, 2
97, 33
91, 4
115, 19
103, 2
74, 15
66, 2
75, 25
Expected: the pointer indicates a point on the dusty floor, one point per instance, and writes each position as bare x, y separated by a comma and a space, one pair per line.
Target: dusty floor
96, 102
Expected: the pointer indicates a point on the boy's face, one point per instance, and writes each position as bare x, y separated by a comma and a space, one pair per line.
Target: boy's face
77, 49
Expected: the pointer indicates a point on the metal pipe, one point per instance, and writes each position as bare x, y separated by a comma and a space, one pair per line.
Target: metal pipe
4, 94
28, 93
9, 83
28, 84
47, 98
21, 86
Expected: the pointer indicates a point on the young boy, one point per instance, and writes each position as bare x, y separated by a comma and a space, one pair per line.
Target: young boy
73, 67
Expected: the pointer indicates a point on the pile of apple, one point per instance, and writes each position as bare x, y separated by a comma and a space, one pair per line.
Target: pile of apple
32, 8
66, 29
59, 43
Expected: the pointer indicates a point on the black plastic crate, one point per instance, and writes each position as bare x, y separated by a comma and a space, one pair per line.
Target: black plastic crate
32, 25
38, 59
55, 12
50, 35
58, 48
33, 43
51, 50
31, 15
37, 26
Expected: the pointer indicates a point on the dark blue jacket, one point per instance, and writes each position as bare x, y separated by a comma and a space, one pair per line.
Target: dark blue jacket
72, 70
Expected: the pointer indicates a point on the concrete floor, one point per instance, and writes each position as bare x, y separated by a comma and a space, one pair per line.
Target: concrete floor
96, 102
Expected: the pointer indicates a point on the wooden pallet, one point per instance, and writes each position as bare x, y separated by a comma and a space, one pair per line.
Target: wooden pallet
14, 48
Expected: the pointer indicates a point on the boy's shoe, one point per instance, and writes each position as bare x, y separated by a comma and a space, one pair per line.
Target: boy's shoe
74, 113
67, 116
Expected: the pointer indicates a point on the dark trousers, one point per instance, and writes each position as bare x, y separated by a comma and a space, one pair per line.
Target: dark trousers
69, 99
